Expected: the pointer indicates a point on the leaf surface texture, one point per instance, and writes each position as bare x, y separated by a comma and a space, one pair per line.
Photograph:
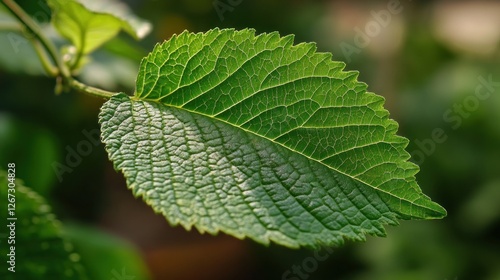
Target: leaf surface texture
260, 138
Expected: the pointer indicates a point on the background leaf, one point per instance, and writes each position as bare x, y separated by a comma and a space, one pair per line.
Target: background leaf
41, 251
256, 137
88, 29
31, 146
117, 256
135, 26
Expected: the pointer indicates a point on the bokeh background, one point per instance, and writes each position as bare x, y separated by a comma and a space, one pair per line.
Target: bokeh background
435, 62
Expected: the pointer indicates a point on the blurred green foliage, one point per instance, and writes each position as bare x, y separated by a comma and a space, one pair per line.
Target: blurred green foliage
35, 247
421, 72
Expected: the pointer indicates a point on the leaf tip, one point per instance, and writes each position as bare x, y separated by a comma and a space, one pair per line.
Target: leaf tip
439, 212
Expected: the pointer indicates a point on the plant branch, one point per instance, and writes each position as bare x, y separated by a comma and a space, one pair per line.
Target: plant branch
89, 89
42, 54
7, 26
79, 55
44, 46
26, 20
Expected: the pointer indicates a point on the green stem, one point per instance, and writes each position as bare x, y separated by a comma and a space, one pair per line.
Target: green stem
7, 26
60, 71
90, 90
35, 29
79, 54
40, 51
42, 54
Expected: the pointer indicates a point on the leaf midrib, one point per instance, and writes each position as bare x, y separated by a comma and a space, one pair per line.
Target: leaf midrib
280, 43
301, 204
134, 98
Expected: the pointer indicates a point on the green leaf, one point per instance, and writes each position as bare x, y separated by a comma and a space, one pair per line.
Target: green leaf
88, 29
256, 137
135, 26
41, 251
115, 256
33, 147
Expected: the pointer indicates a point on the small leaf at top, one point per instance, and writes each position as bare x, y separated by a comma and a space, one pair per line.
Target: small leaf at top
88, 28
260, 138
136, 27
